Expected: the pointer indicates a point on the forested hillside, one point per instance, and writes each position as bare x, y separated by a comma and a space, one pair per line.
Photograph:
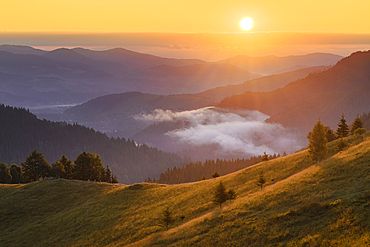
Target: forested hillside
344, 88
21, 133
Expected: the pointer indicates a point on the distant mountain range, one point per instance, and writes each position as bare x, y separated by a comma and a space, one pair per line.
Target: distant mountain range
33, 77
344, 88
114, 114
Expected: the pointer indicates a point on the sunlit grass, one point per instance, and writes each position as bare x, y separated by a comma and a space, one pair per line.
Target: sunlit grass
309, 204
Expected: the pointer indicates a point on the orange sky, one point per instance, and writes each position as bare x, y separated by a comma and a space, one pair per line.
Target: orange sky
206, 29
184, 15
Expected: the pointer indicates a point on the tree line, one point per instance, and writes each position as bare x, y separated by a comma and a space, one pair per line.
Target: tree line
21, 132
198, 171
87, 166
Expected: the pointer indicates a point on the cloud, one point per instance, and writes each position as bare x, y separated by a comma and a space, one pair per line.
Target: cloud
242, 132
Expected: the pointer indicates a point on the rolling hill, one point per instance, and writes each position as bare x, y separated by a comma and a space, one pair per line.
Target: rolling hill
344, 88
309, 205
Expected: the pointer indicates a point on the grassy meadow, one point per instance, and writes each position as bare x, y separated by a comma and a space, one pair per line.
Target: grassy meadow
326, 204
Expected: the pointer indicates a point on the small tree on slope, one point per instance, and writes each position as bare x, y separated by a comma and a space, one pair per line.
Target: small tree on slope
231, 195
261, 180
357, 124
342, 130
167, 218
317, 142
220, 195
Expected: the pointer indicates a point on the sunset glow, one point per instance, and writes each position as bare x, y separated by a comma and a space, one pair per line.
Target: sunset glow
183, 16
246, 23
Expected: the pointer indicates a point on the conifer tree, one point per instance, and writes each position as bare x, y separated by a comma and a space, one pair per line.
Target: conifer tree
231, 194
36, 166
68, 167
114, 179
57, 169
342, 130
265, 157
17, 174
5, 176
317, 142
88, 166
330, 135
357, 124
108, 175
167, 218
261, 180
215, 175
220, 195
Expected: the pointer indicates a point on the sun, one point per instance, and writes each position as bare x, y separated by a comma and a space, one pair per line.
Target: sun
246, 23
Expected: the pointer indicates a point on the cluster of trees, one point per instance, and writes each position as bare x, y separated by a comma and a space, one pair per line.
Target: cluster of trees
321, 135
87, 166
21, 132
197, 171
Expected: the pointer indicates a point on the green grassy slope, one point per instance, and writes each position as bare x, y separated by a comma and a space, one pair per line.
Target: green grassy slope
310, 204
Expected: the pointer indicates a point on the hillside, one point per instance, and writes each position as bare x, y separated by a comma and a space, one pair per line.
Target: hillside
262, 84
272, 64
21, 133
309, 205
114, 113
344, 88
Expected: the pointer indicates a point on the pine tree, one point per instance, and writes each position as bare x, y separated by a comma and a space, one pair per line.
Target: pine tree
330, 135
57, 169
215, 175
88, 166
231, 194
220, 195
265, 157
17, 174
114, 179
108, 175
261, 180
357, 124
68, 167
342, 130
167, 218
5, 176
317, 142
36, 166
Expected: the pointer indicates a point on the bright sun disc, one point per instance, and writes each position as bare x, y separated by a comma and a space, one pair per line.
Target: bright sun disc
246, 23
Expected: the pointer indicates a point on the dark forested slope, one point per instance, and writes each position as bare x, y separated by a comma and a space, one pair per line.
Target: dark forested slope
21, 132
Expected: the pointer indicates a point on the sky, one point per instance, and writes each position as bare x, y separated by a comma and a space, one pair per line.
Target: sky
280, 26
184, 15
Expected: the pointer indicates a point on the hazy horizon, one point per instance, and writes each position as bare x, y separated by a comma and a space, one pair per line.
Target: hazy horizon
205, 46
